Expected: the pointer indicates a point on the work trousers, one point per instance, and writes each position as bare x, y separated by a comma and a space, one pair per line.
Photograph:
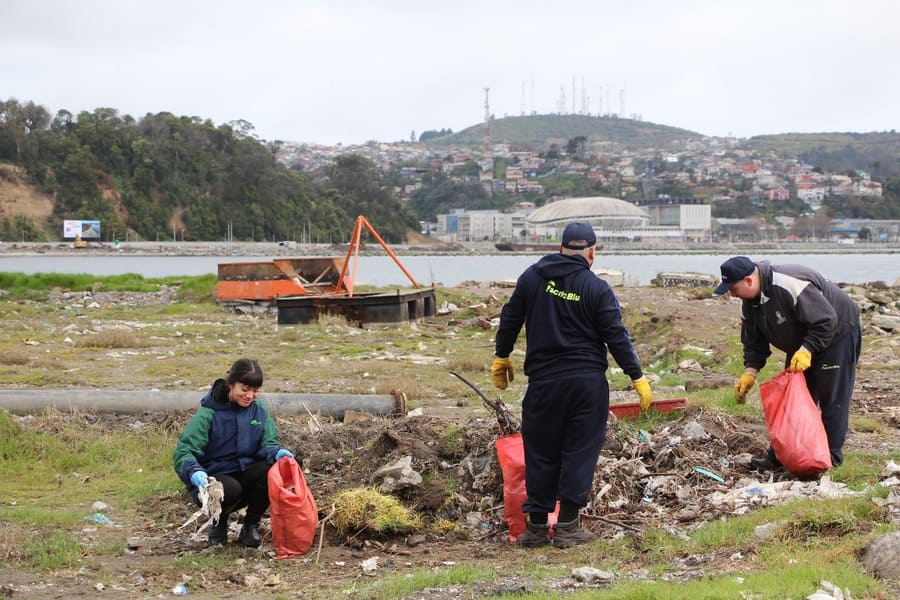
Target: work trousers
830, 380
563, 430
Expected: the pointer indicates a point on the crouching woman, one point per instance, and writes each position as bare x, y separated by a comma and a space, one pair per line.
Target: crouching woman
233, 438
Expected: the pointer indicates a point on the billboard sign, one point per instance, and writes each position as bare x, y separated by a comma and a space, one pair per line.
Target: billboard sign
86, 230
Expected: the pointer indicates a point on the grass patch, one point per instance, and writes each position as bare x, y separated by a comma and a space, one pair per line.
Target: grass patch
453, 441
860, 470
64, 463
788, 580
53, 551
866, 425
401, 586
39, 284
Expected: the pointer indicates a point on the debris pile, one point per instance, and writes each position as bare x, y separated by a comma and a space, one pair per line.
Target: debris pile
684, 472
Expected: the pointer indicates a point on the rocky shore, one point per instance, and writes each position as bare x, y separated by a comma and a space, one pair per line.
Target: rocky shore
427, 246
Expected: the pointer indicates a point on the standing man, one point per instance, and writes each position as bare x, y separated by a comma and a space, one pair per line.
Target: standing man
816, 324
571, 317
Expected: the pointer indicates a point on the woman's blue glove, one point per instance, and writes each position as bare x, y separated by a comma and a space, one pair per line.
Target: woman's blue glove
282, 453
200, 479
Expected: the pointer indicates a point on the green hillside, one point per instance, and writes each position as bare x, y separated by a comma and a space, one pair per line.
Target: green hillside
539, 131
163, 173
877, 153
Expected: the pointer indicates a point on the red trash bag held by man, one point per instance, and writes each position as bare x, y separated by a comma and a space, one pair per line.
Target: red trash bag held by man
292, 508
795, 426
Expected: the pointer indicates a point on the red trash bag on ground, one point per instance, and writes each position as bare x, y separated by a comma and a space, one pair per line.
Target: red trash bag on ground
511, 455
292, 508
795, 426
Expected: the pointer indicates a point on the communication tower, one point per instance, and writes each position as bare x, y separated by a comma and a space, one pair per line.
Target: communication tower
573, 94
532, 96
487, 124
522, 107
585, 107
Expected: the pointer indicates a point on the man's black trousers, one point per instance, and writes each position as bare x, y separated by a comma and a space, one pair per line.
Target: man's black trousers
563, 430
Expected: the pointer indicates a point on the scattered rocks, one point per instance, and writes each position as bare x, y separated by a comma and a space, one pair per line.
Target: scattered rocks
882, 556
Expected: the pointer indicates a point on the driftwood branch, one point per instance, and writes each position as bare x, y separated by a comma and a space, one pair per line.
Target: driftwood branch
507, 421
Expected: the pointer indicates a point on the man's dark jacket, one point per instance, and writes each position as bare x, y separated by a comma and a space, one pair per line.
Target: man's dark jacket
796, 307
571, 318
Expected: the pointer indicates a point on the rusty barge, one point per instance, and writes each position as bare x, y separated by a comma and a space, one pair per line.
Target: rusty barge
301, 290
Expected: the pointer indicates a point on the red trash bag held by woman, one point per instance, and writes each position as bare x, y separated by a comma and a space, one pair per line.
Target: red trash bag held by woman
292, 508
795, 426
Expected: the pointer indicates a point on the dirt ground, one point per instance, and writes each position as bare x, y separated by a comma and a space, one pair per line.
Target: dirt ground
645, 479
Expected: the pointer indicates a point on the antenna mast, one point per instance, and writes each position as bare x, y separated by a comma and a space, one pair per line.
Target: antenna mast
532, 96
487, 123
573, 94
522, 107
585, 106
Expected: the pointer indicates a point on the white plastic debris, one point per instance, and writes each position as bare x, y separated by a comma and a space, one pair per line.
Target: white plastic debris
370, 565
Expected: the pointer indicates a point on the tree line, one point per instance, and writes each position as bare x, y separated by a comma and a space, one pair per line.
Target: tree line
163, 173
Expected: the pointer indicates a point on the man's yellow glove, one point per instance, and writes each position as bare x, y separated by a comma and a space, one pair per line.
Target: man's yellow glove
742, 386
801, 360
502, 372
642, 387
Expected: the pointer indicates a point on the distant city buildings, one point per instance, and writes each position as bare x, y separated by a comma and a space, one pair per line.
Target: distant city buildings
738, 176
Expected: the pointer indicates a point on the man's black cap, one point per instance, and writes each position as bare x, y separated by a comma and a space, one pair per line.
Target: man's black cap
578, 232
733, 270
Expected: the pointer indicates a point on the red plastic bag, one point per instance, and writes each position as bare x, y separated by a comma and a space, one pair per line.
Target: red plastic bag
511, 455
795, 426
292, 508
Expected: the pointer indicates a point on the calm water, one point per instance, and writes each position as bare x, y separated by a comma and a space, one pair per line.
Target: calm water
451, 270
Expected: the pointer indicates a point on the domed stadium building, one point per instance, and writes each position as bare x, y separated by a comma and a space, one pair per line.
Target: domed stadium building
611, 218
600, 211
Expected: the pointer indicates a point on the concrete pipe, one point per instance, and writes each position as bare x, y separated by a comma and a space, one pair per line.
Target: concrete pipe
24, 402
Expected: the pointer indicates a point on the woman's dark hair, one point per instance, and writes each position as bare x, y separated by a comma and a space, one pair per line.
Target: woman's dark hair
246, 371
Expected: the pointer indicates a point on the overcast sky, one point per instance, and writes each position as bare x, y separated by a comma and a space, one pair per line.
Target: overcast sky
349, 71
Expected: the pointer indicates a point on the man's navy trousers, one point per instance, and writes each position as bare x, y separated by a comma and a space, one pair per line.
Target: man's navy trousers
563, 430
830, 379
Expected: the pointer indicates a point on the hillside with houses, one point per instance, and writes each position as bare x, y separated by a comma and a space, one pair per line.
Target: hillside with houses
755, 189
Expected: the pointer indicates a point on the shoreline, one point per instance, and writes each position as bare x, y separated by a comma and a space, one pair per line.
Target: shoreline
267, 249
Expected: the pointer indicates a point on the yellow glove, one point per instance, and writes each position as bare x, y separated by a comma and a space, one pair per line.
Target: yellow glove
742, 386
801, 360
502, 372
642, 387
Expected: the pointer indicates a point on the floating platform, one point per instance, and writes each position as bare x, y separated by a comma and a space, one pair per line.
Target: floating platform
243, 282
394, 307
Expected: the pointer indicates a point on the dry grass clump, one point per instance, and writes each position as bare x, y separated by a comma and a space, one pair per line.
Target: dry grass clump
13, 357
112, 338
366, 509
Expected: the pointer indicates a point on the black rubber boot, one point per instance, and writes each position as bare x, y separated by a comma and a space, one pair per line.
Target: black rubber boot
218, 533
566, 535
249, 535
766, 463
534, 535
